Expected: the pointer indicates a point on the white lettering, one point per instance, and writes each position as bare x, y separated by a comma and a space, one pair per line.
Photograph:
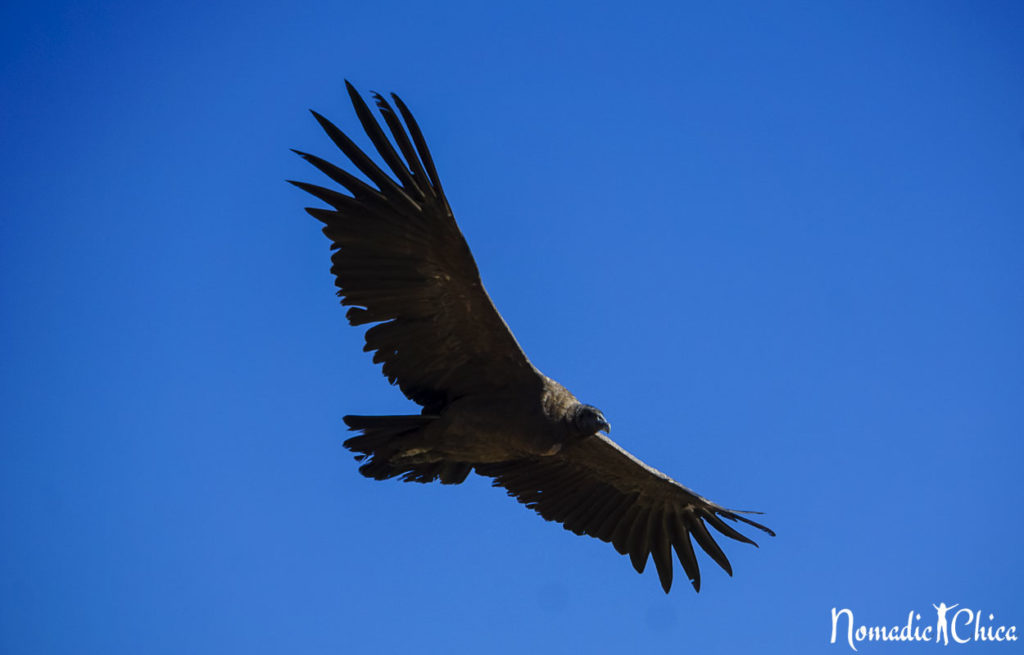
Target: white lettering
964, 625
952, 625
907, 631
849, 625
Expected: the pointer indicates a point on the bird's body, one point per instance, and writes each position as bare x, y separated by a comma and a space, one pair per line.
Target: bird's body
402, 263
497, 427
478, 428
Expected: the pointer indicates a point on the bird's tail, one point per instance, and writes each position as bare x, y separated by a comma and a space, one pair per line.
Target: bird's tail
389, 446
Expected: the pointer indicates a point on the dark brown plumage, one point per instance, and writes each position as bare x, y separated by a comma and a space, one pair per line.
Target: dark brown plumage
401, 263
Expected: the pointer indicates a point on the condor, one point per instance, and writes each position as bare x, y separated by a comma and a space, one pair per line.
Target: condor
401, 264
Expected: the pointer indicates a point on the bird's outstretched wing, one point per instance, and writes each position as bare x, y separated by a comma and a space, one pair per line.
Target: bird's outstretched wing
401, 262
595, 487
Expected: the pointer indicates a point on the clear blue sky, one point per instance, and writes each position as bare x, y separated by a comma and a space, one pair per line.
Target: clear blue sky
780, 248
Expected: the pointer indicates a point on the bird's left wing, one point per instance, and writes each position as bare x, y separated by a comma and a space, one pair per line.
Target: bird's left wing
595, 487
401, 262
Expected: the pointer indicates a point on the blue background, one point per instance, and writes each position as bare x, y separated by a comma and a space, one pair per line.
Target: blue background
779, 247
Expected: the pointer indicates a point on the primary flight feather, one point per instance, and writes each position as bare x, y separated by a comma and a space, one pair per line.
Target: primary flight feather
401, 263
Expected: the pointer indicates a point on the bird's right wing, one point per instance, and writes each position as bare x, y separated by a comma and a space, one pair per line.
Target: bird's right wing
402, 263
595, 487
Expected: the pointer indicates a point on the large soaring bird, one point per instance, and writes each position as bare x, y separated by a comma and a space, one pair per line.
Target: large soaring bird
402, 264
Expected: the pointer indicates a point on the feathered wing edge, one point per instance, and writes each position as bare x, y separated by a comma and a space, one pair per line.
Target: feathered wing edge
649, 514
416, 174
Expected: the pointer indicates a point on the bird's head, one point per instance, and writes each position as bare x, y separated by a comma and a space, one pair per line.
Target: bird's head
588, 420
